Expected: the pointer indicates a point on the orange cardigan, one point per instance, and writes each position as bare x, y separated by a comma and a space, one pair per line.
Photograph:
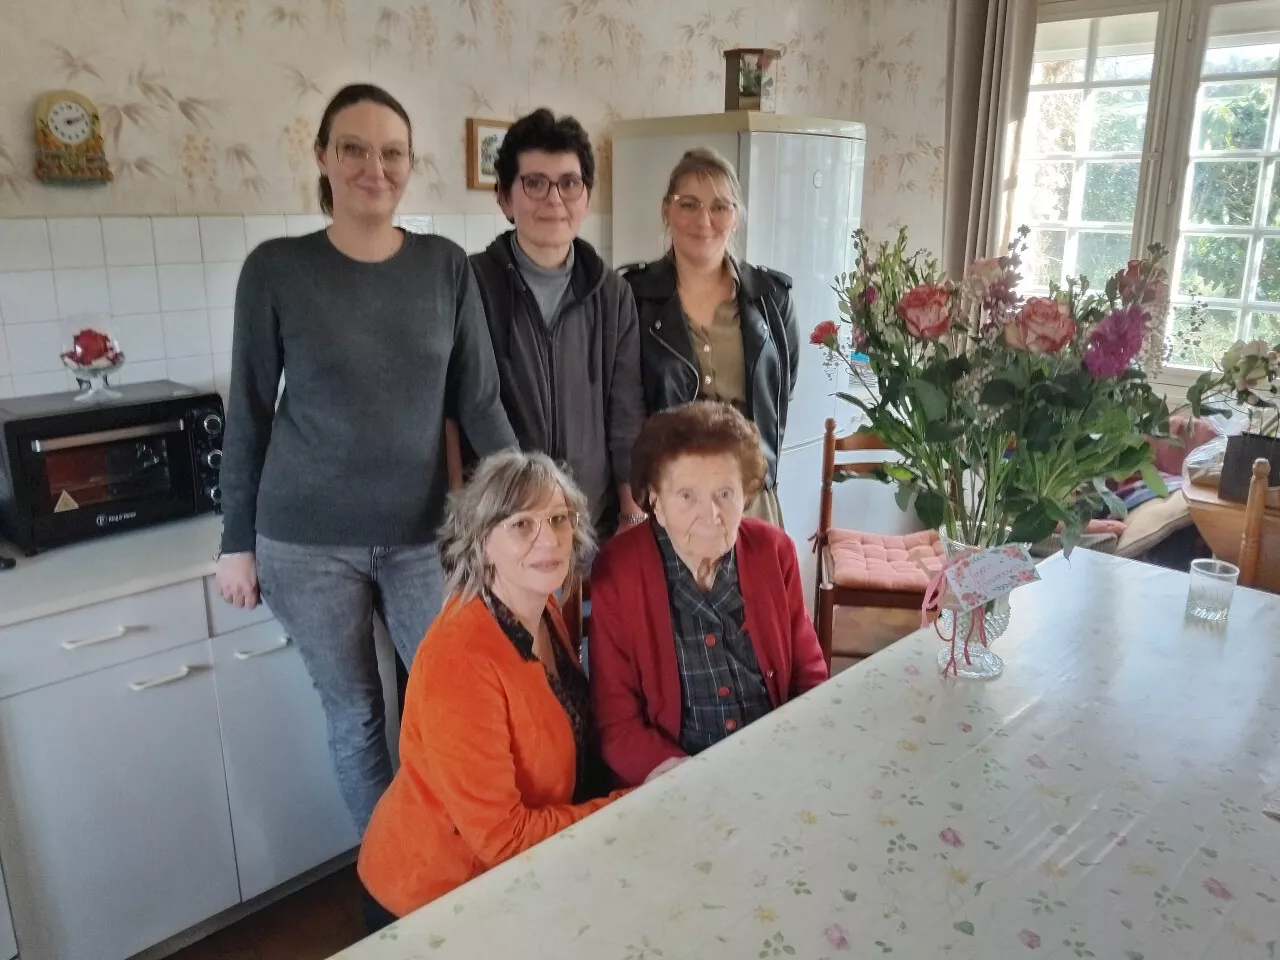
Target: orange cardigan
487, 764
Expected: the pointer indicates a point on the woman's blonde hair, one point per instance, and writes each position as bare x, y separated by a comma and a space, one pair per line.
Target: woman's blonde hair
503, 485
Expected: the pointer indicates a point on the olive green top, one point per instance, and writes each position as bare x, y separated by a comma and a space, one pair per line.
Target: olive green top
718, 347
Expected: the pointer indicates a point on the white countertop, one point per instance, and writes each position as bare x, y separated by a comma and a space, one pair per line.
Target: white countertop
116, 566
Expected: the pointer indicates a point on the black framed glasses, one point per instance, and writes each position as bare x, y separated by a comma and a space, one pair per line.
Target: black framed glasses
537, 186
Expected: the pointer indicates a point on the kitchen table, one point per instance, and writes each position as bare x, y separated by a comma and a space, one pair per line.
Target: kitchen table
1103, 798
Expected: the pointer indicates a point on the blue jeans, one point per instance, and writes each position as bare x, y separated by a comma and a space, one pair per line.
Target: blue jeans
325, 598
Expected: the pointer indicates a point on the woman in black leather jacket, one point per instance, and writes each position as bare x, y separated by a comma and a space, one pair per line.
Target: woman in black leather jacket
713, 327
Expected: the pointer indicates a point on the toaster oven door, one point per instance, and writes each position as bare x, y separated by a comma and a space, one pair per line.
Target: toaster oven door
90, 483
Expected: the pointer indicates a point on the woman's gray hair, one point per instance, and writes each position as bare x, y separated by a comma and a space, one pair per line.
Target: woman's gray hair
503, 485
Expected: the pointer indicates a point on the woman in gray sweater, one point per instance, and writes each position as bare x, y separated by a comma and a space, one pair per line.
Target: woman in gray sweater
331, 498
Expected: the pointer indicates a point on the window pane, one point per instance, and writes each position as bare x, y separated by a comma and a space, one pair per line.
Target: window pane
1266, 326
1223, 192
1204, 344
1213, 266
1060, 52
1042, 263
1050, 192
1273, 211
1253, 58
1110, 191
1099, 255
1233, 116
1053, 117
1269, 272
1126, 46
1119, 119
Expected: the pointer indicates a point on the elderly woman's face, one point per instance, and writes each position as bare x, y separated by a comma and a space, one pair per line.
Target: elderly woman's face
532, 549
699, 502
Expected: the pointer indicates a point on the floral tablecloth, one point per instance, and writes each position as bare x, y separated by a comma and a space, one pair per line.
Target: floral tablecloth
1103, 798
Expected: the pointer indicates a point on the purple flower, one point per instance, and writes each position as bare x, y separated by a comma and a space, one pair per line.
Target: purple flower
837, 937
1115, 342
949, 836
870, 296
1037, 761
1030, 939
1216, 889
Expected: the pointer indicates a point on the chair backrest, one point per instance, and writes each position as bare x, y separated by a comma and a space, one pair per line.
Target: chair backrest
1254, 509
831, 469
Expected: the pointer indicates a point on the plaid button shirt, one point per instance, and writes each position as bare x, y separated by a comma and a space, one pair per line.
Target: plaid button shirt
721, 686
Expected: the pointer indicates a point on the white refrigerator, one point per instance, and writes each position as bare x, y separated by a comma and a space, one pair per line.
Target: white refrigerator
802, 186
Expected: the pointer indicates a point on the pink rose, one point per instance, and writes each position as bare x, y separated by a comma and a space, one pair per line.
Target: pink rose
911, 670
1216, 889
1043, 325
825, 334
870, 296
837, 937
926, 310
1029, 939
965, 727
948, 836
1037, 761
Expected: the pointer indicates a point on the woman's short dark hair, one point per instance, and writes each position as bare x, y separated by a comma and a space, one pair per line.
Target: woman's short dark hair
541, 130
703, 428
349, 96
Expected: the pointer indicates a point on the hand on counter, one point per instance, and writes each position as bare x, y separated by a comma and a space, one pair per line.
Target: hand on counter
237, 579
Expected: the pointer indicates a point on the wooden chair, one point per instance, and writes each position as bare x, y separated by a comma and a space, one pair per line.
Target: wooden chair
1254, 509
857, 569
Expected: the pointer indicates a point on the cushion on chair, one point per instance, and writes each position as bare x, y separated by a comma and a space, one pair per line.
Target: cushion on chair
871, 561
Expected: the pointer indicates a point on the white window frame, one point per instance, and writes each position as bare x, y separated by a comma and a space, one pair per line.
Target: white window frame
1181, 39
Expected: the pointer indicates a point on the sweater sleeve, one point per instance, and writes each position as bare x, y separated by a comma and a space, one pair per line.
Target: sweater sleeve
473, 372
465, 756
626, 396
630, 746
257, 359
808, 668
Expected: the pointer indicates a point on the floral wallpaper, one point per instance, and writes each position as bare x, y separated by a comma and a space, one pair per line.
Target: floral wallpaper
210, 106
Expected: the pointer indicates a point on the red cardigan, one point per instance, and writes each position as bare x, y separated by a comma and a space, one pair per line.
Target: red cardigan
635, 679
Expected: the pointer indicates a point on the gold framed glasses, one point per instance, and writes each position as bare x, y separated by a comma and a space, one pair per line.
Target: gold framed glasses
537, 186
394, 158
690, 208
527, 528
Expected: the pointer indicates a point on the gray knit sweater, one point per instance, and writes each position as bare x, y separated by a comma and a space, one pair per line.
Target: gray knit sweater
372, 354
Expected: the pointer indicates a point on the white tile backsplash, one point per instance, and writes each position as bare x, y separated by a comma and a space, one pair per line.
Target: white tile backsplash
133, 290
165, 287
76, 242
177, 239
24, 245
82, 291
186, 334
127, 241
27, 297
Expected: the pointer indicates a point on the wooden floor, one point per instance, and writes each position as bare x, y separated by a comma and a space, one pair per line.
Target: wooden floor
325, 918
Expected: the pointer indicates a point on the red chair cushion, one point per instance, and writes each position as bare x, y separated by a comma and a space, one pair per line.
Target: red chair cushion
871, 561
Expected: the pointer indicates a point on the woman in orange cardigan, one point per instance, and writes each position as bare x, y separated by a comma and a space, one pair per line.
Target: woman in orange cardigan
498, 749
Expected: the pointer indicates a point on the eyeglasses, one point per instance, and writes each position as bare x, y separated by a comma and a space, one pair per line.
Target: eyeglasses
527, 529
537, 186
721, 211
356, 153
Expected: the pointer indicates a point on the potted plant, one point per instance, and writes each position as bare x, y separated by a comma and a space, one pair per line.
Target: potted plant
750, 79
1009, 415
1246, 378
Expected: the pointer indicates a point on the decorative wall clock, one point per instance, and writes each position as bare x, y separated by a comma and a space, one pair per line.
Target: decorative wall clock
69, 146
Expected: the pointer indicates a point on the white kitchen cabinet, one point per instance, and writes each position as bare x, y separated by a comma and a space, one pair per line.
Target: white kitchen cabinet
287, 815
8, 945
114, 826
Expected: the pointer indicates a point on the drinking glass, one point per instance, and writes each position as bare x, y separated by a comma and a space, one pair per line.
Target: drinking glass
1212, 583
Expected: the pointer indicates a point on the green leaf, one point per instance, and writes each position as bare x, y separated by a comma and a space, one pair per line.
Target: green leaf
849, 895
998, 393
1127, 924
1031, 526
963, 926
932, 401
930, 508
1155, 483
896, 471
904, 495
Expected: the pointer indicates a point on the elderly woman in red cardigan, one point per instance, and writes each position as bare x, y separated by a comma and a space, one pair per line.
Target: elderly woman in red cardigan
698, 624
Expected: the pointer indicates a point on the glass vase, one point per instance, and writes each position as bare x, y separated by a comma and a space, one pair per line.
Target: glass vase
967, 636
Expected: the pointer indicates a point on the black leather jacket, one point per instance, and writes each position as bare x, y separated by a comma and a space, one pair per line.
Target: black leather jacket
770, 346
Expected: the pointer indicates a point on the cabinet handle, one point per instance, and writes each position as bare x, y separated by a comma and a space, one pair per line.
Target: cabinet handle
115, 634
140, 685
274, 648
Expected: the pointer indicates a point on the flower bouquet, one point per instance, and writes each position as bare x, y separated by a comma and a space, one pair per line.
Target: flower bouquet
1246, 378
92, 357
1009, 415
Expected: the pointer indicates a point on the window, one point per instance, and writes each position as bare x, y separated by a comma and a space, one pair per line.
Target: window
1158, 122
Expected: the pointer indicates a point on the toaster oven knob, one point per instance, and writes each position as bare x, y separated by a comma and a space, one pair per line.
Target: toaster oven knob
214, 493
212, 424
213, 459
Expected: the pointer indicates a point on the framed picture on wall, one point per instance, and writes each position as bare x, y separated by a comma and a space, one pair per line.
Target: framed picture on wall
484, 137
